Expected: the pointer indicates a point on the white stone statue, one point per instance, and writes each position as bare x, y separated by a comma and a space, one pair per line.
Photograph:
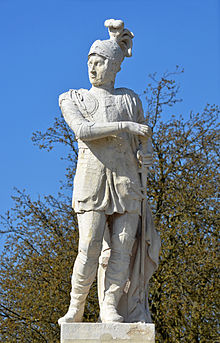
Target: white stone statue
108, 196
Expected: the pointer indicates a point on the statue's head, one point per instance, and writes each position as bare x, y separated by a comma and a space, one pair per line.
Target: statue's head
105, 56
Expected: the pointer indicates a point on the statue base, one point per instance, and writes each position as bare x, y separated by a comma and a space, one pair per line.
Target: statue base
106, 333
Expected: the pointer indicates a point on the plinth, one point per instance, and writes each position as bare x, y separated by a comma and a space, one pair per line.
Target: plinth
108, 333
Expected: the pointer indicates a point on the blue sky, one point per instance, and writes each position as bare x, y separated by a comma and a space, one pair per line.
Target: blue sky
44, 46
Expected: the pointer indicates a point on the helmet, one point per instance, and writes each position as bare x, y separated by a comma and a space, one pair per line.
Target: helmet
118, 46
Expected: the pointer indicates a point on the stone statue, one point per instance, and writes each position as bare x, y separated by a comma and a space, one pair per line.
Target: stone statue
108, 197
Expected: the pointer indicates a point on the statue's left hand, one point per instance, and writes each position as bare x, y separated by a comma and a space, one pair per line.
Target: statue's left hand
141, 130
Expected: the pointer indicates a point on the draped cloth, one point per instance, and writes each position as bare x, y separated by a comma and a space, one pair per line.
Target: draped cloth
130, 306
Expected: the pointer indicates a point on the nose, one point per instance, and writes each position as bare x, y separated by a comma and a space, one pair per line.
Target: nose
92, 68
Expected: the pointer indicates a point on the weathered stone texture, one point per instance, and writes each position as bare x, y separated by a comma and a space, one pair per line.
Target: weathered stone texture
107, 333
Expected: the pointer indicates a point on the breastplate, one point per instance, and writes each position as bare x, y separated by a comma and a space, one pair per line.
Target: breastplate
101, 107
110, 109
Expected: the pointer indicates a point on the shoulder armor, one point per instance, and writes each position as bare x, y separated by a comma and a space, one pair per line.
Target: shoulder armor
130, 100
129, 95
85, 101
64, 96
126, 91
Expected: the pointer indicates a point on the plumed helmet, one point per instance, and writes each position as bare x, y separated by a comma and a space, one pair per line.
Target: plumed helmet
118, 46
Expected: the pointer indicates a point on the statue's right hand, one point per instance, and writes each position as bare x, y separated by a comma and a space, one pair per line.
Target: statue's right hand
136, 129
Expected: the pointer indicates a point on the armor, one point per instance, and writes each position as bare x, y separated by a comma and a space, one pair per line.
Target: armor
107, 193
110, 161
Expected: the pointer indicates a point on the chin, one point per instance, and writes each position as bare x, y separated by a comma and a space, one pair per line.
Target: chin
96, 83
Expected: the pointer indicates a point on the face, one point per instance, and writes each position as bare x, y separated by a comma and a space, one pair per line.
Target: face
100, 71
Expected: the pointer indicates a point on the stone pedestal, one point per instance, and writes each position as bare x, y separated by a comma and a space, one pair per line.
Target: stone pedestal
108, 333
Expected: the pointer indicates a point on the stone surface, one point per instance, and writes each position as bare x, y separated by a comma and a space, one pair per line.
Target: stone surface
115, 151
108, 333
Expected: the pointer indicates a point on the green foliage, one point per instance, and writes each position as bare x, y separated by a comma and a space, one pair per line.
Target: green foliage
36, 264
183, 190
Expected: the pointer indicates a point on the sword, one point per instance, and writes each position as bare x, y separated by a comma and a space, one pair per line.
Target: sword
145, 161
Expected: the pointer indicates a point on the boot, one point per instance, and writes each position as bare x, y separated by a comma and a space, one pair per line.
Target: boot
82, 278
108, 314
73, 315
76, 308
108, 310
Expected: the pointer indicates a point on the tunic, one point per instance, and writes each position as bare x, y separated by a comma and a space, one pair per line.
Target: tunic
107, 179
107, 175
